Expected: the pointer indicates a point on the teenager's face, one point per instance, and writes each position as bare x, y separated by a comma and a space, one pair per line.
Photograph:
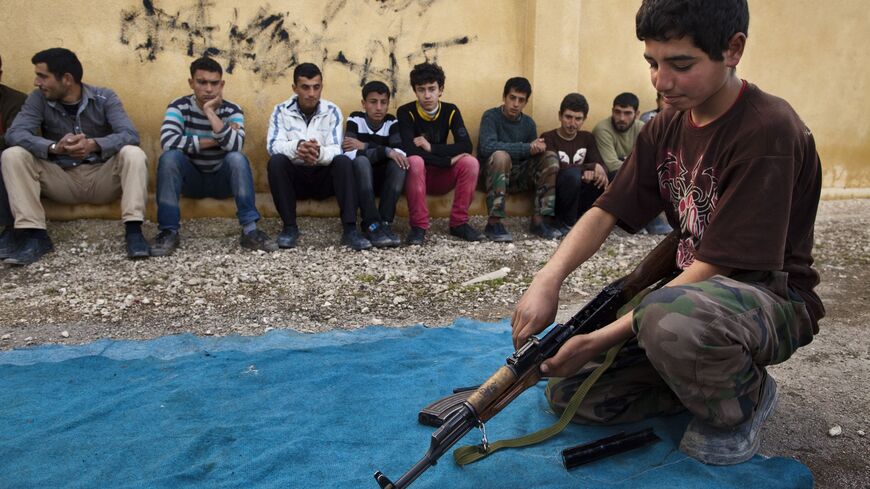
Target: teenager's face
514, 103
571, 122
308, 90
686, 76
428, 95
206, 85
623, 117
376, 105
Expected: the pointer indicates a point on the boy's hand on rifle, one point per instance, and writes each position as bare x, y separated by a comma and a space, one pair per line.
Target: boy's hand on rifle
535, 311
574, 354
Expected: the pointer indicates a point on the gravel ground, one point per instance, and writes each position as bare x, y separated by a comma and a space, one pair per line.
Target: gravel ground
87, 290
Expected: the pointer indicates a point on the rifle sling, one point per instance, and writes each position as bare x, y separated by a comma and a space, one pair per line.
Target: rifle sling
472, 453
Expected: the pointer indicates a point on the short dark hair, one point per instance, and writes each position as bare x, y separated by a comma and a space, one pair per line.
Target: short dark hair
60, 61
627, 99
377, 87
519, 84
424, 73
575, 103
306, 70
206, 64
710, 23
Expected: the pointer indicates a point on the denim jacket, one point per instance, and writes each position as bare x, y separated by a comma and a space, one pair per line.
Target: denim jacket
100, 117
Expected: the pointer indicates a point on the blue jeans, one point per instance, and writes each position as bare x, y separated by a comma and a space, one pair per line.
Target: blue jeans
177, 176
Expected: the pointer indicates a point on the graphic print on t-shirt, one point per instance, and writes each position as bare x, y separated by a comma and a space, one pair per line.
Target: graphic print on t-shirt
577, 159
693, 192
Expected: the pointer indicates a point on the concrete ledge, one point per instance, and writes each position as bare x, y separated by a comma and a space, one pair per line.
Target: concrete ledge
439, 206
845, 193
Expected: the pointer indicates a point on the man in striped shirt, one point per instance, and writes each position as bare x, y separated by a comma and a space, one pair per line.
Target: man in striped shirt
202, 137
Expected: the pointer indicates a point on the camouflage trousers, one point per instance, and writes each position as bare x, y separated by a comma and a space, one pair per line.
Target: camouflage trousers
503, 177
706, 346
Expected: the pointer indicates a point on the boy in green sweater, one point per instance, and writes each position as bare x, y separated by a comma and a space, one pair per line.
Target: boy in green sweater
516, 161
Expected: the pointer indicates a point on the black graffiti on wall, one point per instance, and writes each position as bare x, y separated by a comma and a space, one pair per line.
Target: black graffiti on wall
270, 43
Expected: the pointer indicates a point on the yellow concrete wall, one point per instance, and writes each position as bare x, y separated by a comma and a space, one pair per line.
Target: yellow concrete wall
809, 54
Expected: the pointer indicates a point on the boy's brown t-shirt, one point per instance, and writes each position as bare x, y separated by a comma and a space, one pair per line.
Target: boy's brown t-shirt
743, 190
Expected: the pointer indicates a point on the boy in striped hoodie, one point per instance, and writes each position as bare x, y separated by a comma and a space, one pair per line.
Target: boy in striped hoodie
202, 137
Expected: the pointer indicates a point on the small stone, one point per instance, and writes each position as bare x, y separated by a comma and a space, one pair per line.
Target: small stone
28, 339
268, 328
377, 322
65, 334
208, 332
365, 310
861, 433
399, 299
835, 431
5, 336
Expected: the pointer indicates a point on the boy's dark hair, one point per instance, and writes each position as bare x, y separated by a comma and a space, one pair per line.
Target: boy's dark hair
60, 61
377, 87
627, 99
306, 70
575, 103
709, 23
427, 73
519, 84
206, 64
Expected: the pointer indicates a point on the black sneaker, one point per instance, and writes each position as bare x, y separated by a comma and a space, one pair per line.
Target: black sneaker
353, 238
543, 230
375, 234
137, 247
388, 232
30, 249
729, 446
288, 237
257, 240
466, 232
165, 243
497, 232
8, 242
416, 236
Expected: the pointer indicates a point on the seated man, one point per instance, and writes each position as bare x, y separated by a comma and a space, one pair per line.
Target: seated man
303, 141
616, 136
436, 167
720, 151
582, 176
202, 137
514, 162
72, 143
372, 141
11, 101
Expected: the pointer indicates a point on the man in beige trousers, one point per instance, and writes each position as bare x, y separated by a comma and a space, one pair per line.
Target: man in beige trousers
72, 143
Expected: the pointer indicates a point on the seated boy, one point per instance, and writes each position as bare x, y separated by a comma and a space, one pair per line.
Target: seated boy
514, 162
737, 173
436, 166
372, 141
582, 176
202, 138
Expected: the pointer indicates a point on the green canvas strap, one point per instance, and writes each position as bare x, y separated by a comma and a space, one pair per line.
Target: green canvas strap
472, 453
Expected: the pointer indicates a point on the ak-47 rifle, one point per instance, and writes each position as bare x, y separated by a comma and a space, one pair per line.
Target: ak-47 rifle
523, 367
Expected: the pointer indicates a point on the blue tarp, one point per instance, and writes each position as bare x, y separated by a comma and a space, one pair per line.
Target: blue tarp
298, 410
